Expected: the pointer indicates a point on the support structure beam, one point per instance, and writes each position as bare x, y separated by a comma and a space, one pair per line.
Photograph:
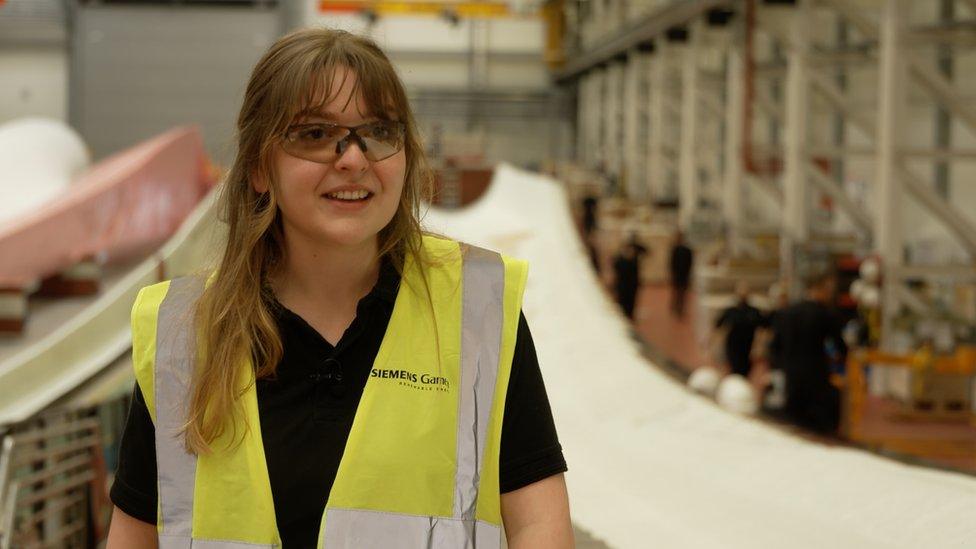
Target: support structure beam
832, 151
767, 186
659, 165
632, 171
613, 150
770, 107
892, 81
733, 197
858, 215
591, 108
926, 154
911, 300
835, 95
863, 24
942, 90
942, 170
954, 220
583, 119
932, 81
712, 103
688, 187
795, 200
964, 272
941, 154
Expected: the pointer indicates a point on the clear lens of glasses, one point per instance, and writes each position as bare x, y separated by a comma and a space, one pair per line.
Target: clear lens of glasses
323, 142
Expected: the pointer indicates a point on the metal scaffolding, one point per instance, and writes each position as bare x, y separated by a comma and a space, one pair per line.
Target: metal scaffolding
807, 104
891, 48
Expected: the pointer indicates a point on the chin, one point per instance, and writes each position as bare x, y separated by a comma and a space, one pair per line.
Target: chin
348, 236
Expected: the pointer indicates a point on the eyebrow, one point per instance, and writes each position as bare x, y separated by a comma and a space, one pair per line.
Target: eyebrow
332, 117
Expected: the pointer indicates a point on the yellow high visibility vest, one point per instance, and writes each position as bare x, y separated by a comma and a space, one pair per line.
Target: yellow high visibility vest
420, 468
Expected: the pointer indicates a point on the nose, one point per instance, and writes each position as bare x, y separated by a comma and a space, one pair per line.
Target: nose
352, 156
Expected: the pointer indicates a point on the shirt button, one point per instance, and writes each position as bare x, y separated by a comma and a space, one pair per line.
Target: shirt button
332, 371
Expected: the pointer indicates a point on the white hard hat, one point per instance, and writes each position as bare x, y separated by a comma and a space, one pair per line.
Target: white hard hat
735, 394
704, 380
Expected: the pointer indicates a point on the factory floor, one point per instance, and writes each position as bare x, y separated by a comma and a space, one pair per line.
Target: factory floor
884, 429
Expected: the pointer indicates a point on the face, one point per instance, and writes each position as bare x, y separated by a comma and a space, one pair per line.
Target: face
320, 203
742, 290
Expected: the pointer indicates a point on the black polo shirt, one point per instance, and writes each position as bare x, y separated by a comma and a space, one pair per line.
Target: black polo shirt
306, 417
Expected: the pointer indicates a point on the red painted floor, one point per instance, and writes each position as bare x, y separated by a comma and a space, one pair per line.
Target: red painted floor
669, 335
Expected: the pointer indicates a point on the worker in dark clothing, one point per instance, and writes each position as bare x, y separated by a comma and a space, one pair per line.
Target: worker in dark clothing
801, 335
740, 323
774, 393
781, 302
681, 261
589, 214
590, 203
626, 269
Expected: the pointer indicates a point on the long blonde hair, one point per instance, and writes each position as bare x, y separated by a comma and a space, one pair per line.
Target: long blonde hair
234, 316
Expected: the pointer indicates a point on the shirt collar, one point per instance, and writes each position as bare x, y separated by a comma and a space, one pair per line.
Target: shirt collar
387, 284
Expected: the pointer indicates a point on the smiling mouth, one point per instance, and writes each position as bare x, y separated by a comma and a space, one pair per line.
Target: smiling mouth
349, 196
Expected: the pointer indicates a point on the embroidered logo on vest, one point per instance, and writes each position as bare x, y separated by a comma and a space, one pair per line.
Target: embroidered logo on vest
406, 378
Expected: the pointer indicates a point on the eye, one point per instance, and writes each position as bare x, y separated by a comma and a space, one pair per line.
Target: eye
315, 133
312, 133
387, 132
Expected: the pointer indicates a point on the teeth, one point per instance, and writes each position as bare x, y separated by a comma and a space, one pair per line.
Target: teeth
349, 195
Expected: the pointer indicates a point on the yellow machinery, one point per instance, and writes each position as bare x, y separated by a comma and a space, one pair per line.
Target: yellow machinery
940, 387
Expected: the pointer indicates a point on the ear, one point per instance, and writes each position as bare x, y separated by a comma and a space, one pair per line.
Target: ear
259, 183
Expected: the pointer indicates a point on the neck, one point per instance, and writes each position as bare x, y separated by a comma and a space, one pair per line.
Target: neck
326, 275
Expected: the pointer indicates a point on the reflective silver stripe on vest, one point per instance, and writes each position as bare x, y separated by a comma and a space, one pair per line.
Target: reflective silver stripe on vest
483, 287
176, 468
175, 349
183, 542
361, 529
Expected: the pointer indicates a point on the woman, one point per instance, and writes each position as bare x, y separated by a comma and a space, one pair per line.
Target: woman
341, 379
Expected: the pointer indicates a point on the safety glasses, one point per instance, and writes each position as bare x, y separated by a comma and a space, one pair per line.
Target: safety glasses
324, 142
